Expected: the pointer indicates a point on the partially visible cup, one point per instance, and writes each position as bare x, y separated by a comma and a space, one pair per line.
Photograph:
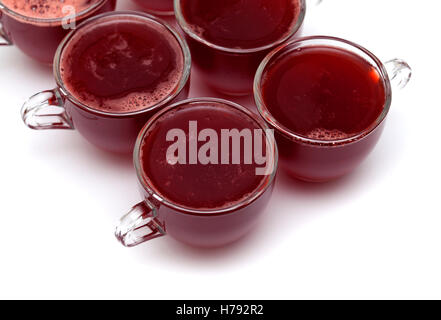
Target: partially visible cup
113, 73
229, 39
328, 100
37, 27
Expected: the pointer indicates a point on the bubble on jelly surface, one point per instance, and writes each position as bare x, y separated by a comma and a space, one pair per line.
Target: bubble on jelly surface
327, 135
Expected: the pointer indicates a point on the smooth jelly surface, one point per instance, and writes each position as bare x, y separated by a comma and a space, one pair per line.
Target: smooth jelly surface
47, 9
122, 65
241, 24
323, 93
198, 186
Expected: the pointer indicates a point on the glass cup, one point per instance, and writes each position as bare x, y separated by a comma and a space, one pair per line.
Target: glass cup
38, 37
318, 160
157, 7
115, 132
229, 70
157, 216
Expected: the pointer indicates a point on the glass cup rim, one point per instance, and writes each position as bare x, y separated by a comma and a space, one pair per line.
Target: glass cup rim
267, 181
50, 20
182, 44
269, 118
185, 27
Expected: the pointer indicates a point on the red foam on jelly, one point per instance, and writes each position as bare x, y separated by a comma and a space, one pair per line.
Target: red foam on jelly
124, 65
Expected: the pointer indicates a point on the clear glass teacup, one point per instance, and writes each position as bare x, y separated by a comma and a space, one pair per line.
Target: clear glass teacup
229, 65
327, 100
191, 196
116, 74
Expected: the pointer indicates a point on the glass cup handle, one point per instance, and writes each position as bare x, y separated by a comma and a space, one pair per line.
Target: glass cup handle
399, 72
139, 225
45, 110
4, 40
314, 2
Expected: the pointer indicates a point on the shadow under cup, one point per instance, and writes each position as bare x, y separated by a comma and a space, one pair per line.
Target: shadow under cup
312, 159
39, 37
157, 215
115, 132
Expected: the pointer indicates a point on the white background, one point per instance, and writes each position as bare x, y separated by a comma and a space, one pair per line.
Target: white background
373, 234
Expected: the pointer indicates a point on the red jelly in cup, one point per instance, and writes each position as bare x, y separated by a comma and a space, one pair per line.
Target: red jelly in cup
228, 39
327, 99
199, 196
123, 66
113, 73
37, 27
